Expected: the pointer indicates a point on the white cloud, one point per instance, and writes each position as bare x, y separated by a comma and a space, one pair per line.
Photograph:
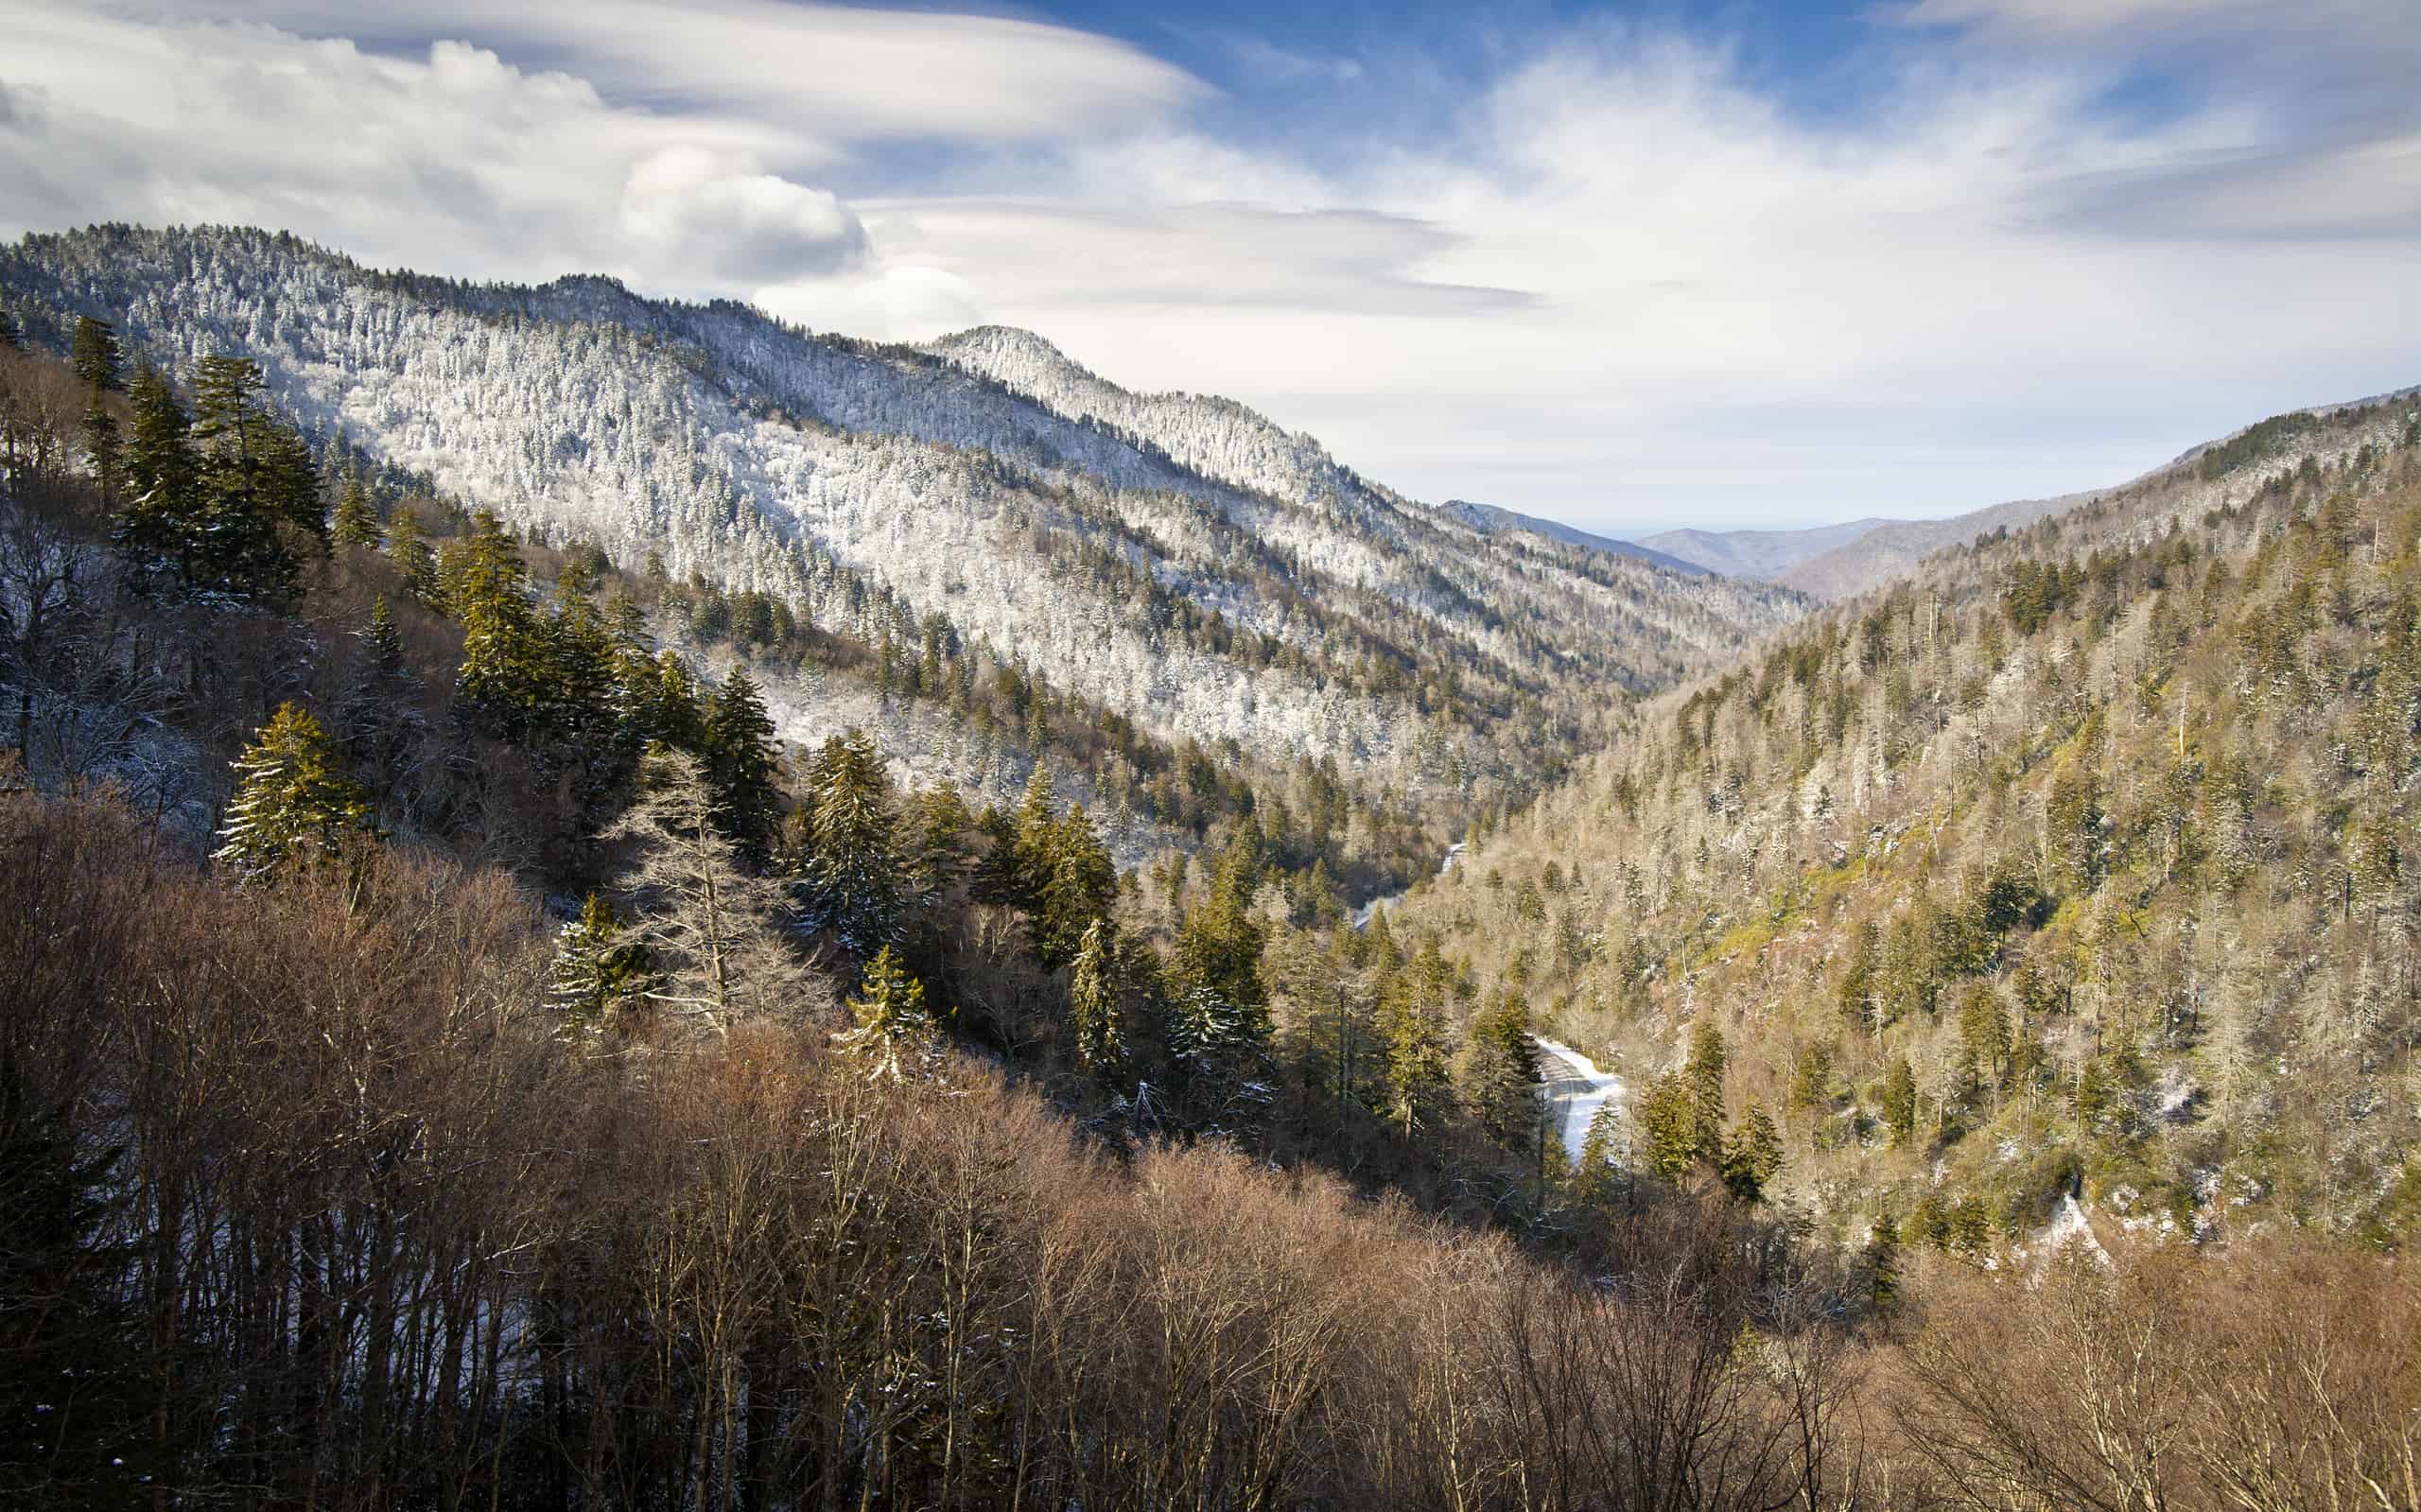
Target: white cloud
1628, 285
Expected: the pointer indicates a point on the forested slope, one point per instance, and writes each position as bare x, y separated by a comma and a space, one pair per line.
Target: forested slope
2081, 861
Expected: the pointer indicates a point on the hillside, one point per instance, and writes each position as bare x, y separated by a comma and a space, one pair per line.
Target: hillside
1491, 518
2081, 861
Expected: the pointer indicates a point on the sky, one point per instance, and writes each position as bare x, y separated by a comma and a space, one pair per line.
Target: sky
1754, 264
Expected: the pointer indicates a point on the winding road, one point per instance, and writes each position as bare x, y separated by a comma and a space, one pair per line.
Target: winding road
1576, 1090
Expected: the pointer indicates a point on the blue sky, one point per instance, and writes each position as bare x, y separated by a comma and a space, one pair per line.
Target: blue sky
1631, 267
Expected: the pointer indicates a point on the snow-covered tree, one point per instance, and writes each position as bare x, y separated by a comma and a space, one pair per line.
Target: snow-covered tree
292, 800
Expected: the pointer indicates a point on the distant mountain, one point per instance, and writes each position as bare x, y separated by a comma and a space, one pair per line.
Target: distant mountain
1758, 553
1177, 558
1491, 519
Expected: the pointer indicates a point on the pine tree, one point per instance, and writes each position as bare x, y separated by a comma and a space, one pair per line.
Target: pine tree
12, 335
1419, 1089
1704, 1073
409, 548
1669, 1126
378, 714
292, 802
596, 969
893, 1038
1751, 1156
1501, 1075
1597, 1181
1900, 1099
162, 481
744, 767
356, 523
104, 449
254, 474
1029, 861
853, 878
1079, 881
93, 353
1094, 1020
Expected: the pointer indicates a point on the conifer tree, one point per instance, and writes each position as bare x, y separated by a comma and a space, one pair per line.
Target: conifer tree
161, 475
596, 969
1751, 1156
292, 802
1419, 1089
104, 449
936, 826
94, 351
853, 878
1501, 1075
1704, 1072
1094, 1020
11, 334
1669, 1126
1596, 1179
892, 1035
1079, 880
744, 767
408, 547
355, 522
1900, 1099
378, 714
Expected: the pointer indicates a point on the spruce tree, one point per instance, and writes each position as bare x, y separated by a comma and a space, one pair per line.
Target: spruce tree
12, 335
1094, 1020
853, 877
1704, 1073
408, 547
745, 766
1419, 1089
595, 968
162, 477
1597, 1179
104, 449
892, 1037
1751, 1156
355, 522
1079, 881
291, 801
378, 715
1501, 1074
94, 351
1900, 1100
1667, 1126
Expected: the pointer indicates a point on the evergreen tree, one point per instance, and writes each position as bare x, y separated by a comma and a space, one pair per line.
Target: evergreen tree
853, 877
254, 474
355, 522
291, 801
11, 334
936, 826
1669, 1126
1222, 1005
104, 449
1079, 881
72, 1390
744, 767
596, 969
162, 479
378, 714
1094, 1020
1751, 1156
1029, 861
893, 1037
1596, 1181
1900, 1099
1501, 1075
1419, 1091
94, 351
409, 548
1704, 1073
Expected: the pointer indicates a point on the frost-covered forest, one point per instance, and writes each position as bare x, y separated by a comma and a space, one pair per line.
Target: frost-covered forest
608, 904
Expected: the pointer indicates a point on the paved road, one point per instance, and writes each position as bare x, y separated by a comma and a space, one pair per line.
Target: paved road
1576, 1090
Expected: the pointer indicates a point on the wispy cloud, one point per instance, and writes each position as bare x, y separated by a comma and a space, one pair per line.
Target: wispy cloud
1622, 280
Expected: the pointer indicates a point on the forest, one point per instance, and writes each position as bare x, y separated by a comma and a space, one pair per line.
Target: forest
453, 1053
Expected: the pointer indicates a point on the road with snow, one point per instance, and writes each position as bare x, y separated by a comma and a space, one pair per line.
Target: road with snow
1576, 1090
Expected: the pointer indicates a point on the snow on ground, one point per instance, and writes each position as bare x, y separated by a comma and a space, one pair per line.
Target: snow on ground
1577, 1088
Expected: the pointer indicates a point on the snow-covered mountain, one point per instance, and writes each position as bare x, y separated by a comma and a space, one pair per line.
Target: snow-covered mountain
1493, 518
1176, 558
